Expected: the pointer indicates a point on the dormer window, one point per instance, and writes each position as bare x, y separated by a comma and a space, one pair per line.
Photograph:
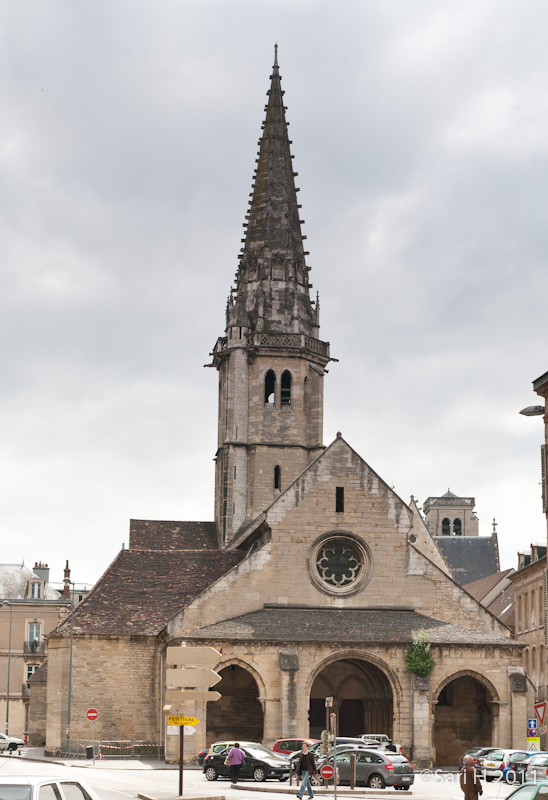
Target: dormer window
36, 590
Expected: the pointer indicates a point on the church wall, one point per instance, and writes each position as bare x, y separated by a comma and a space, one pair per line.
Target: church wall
115, 675
279, 572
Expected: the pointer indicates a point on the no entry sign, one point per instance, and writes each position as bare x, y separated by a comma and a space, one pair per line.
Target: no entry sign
327, 772
92, 714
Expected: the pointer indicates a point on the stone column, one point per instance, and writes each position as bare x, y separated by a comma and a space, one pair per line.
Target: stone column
289, 666
421, 721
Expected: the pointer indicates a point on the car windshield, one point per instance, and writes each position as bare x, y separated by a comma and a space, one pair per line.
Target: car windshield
497, 755
13, 792
517, 757
398, 759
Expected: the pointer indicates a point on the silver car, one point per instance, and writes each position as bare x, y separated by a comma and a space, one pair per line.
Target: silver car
375, 768
537, 768
41, 788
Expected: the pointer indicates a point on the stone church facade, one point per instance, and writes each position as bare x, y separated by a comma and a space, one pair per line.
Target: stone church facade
313, 575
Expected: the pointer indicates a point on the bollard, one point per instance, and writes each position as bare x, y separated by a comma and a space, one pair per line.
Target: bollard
352, 770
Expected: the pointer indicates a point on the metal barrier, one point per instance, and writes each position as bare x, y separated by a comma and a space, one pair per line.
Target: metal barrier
77, 748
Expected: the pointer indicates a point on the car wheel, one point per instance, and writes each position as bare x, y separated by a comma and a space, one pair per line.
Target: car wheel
211, 774
376, 782
259, 774
282, 779
12, 746
489, 778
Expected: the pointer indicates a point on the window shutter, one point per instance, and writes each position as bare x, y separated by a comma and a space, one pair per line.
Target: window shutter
544, 468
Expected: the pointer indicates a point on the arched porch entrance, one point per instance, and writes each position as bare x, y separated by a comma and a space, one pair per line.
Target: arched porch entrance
239, 711
463, 716
362, 698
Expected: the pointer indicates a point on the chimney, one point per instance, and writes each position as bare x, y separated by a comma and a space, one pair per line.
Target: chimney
41, 571
66, 581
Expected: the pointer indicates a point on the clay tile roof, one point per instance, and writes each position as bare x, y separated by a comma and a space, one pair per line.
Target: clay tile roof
143, 589
481, 588
153, 534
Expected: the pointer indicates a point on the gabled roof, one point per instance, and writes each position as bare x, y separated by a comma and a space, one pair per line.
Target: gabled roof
345, 625
481, 588
469, 557
143, 589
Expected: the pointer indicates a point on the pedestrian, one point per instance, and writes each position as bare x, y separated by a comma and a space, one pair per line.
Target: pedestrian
390, 746
469, 780
235, 758
306, 769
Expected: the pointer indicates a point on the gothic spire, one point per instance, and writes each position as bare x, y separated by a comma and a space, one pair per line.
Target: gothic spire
272, 278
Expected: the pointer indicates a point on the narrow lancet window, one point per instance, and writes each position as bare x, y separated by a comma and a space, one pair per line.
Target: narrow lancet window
277, 477
270, 387
457, 527
286, 388
339, 498
445, 527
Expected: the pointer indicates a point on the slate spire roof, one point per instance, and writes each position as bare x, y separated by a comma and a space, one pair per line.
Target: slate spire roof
272, 289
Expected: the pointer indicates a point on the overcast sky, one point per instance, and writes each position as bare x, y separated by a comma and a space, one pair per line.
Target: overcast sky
127, 146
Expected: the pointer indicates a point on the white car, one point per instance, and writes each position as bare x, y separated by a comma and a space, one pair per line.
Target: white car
45, 789
537, 768
10, 743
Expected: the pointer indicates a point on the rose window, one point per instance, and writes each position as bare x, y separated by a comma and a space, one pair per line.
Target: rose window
339, 563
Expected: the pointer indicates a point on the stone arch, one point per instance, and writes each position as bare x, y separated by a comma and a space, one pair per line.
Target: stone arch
465, 705
241, 706
364, 690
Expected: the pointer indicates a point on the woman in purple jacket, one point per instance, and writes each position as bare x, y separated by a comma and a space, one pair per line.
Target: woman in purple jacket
236, 758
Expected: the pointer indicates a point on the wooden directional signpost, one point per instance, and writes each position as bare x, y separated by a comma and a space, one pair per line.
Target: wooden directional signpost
188, 678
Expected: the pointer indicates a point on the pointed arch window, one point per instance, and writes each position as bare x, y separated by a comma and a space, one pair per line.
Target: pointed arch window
286, 388
457, 527
270, 387
277, 477
445, 527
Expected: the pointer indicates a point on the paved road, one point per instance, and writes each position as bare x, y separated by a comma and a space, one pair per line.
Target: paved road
120, 780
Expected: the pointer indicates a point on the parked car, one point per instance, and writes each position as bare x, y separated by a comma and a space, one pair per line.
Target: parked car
383, 738
217, 747
260, 764
10, 743
315, 748
375, 768
289, 746
517, 767
201, 755
29, 788
477, 753
495, 764
530, 791
537, 767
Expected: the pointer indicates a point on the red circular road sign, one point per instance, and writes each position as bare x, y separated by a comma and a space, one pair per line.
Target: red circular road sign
327, 772
92, 714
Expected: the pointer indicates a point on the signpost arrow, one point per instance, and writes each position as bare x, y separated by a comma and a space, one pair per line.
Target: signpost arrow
197, 656
195, 678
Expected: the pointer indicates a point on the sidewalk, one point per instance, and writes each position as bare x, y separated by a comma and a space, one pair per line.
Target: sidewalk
37, 754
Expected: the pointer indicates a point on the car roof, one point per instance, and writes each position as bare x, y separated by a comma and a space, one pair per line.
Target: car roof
34, 779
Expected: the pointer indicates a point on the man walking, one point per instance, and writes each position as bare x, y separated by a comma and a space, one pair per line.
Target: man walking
469, 780
306, 769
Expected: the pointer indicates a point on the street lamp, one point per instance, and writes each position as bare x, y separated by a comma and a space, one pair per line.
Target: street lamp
7, 603
532, 411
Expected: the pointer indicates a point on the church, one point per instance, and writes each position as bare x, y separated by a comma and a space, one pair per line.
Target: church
313, 576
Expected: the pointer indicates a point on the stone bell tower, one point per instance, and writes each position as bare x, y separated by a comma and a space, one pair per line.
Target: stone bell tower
271, 361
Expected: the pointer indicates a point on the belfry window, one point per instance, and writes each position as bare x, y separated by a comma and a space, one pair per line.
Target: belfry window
270, 387
286, 388
445, 527
457, 527
277, 477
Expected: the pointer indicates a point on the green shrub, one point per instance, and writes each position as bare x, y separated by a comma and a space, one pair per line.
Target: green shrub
418, 657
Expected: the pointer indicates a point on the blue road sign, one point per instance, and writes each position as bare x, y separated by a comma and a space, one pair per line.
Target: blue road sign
531, 723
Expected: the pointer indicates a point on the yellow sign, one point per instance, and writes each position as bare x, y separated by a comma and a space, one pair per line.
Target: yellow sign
182, 721
533, 743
